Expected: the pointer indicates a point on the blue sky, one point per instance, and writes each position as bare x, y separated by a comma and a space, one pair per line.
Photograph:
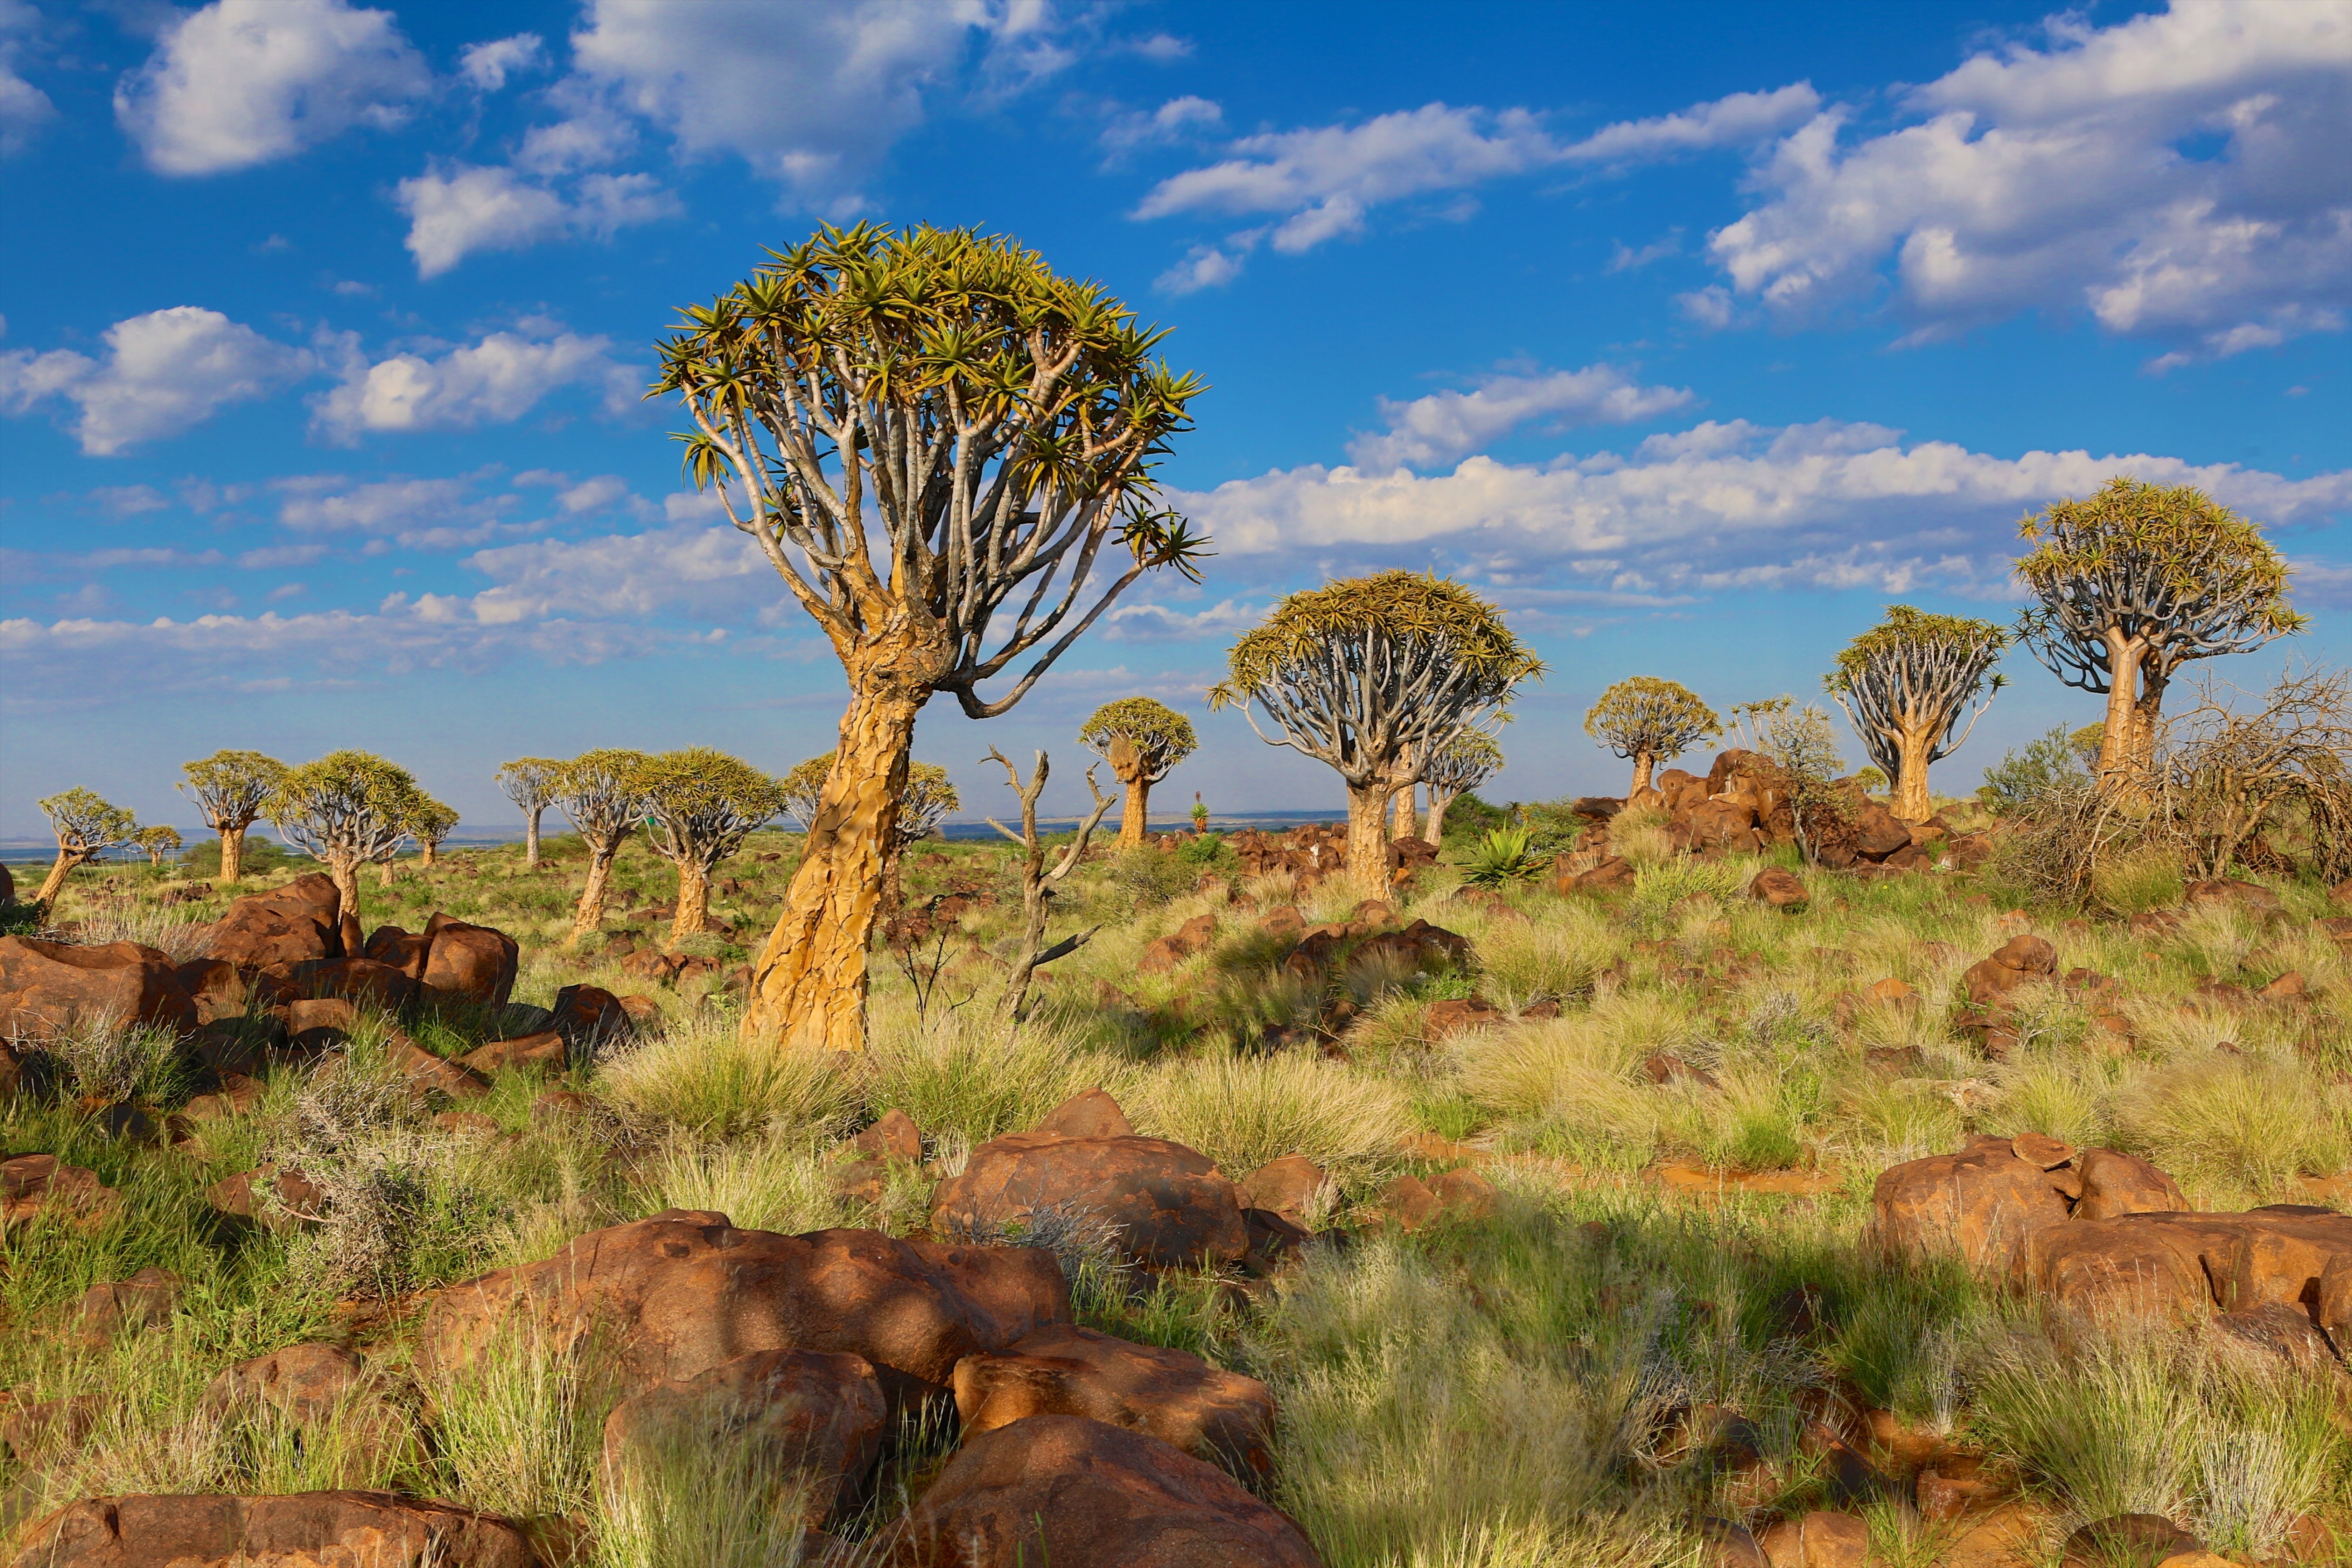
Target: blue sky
1693, 335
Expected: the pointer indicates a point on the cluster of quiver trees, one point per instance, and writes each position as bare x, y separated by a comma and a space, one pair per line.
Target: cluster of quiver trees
945, 449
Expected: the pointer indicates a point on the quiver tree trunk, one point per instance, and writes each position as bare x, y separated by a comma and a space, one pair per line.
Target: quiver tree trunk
1913, 801
56, 881
2119, 766
591, 913
1135, 811
232, 866
693, 915
1434, 833
425, 852
385, 874
1644, 764
1407, 820
531, 837
809, 986
1367, 836
345, 871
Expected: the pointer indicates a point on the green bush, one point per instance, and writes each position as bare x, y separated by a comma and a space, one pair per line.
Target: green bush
2014, 783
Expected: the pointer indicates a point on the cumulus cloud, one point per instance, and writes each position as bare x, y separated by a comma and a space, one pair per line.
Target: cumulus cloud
242, 82
708, 572
493, 382
1178, 119
2070, 176
162, 373
460, 209
810, 95
1444, 426
419, 514
24, 107
1164, 623
1718, 505
1322, 181
487, 66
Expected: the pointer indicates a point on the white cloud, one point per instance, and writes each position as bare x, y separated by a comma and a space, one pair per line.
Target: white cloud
1715, 506
1178, 119
128, 501
494, 382
274, 557
1207, 266
1741, 120
1626, 258
1162, 623
24, 107
242, 82
1711, 306
1324, 181
2056, 177
163, 374
486, 65
1444, 425
708, 572
419, 514
462, 209
809, 94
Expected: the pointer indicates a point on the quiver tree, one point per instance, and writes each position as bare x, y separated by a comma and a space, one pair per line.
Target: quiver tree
917, 428
2135, 582
86, 828
433, 822
348, 809
1907, 683
804, 790
529, 783
1465, 762
698, 805
158, 841
1368, 674
1142, 740
231, 788
598, 791
1650, 721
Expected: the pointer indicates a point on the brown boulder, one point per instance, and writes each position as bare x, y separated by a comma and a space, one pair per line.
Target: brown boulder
475, 963
293, 924
1066, 1370
1817, 1539
1285, 923
308, 1530
2283, 1332
2248, 898
806, 1422
684, 1291
358, 980
1778, 886
894, 1136
2126, 1541
1727, 825
216, 986
118, 1307
1614, 873
273, 1199
544, 1052
47, 988
32, 1185
1984, 1203
2196, 1263
1285, 1186
590, 1018
402, 950
1169, 1205
1454, 1016
1089, 1114
2020, 961
2116, 1183
308, 1381
1069, 1491
1879, 833
428, 1075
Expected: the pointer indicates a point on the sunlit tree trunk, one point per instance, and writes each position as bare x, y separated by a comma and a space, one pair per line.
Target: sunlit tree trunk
2119, 771
1407, 821
810, 985
531, 838
425, 852
591, 913
1644, 764
346, 874
693, 903
1367, 836
1435, 833
1913, 801
385, 875
56, 879
232, 866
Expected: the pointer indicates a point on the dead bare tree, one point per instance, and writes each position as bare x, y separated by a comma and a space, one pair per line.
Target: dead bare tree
1037, 883
2232, 774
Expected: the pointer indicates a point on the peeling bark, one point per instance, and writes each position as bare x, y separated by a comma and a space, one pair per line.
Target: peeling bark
1644, 764
56, 879
1368, 839
591, 913
693, 915
232, 866
346, 874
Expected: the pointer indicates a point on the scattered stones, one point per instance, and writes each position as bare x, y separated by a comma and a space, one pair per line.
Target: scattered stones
106, 1311
1777, 888
306, 1530
1066, 1490
1066, 1370
49, 988
1285, 1186
893, 1137
810, 1421
683, 1292
2195, 1264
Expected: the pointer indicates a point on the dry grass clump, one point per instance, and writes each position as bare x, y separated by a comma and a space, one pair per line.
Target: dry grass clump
972, 1074
1567, 1082
1242, 1111
1525, 961
2256, 1121
775, 1182
1640, 835
701, 1077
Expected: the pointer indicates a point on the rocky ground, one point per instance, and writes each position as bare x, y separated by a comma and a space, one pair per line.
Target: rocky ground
1686, 1204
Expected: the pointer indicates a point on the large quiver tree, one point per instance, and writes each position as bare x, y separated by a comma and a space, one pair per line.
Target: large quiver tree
1368, 674
2128, 585
598, 791
700, 804
1649, 720
348, 809
1142, 740
529, 783
231, 788
1465, 762
84, 827
1906, 685
917, 428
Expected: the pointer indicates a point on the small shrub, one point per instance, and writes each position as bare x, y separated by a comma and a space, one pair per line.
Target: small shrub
1504, 855
2251, 1120
701, 1076
1660, 885
969, 1074
1639, 837
2136, 880
1150, 876
109, 1061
